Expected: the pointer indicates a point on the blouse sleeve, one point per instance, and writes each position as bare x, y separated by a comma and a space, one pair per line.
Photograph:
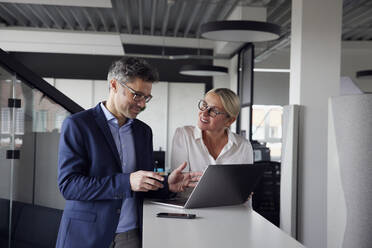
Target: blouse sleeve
248, 152
179, 150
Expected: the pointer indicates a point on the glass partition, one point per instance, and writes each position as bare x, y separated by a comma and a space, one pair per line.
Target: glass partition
30, 124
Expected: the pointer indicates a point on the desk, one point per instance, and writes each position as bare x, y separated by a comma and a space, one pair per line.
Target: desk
230, 226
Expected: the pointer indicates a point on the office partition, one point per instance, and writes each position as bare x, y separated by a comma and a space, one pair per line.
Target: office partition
31, 117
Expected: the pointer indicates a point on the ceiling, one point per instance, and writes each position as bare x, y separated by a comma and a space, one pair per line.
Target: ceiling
167, 18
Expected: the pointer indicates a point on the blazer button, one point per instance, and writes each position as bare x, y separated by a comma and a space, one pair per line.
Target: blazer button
118, 211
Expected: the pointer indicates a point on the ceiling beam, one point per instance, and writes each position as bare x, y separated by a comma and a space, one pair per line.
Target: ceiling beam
51, 16
195, 11
77, 19
207, 14
272, 9
280, 15
353, 8
103, 20
79, 3
90, 19
278, 11
153, 16
361, 15
179, 18
225, 14
285, 19
165, 20
71, 42
356, 29
119, 14
127, 15
140, 16
23, 21
38, 15
166, 41
64, 17
24, 14
115, 16
10, 19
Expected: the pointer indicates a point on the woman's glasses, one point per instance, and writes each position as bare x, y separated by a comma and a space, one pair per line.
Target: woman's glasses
212, 111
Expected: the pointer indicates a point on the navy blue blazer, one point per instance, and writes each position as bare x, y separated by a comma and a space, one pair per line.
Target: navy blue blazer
91, 180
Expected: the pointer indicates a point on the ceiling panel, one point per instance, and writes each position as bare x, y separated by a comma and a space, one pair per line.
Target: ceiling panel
171, 18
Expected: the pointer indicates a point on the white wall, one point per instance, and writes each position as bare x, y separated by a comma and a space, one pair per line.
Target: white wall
100, 91
183, 110
223, 81
156, 115
79, 91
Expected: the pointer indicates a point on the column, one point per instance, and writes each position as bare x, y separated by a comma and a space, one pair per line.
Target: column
315, 76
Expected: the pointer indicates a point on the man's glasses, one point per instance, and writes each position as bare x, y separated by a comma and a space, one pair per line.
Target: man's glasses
137, 96
212, 111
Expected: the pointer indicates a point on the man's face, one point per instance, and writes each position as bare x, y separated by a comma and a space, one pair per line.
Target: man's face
126, 105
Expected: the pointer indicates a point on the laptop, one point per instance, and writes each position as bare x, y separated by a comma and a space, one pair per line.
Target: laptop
220, 185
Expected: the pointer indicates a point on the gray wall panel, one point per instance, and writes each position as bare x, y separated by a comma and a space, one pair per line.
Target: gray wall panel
352, 119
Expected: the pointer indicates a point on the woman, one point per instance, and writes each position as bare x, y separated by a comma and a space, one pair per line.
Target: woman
212, 142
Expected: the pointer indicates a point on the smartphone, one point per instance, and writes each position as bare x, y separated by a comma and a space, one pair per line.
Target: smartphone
176, 215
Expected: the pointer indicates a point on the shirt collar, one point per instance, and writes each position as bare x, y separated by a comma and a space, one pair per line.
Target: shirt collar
197, 133
230, 136
111, 118
106, 112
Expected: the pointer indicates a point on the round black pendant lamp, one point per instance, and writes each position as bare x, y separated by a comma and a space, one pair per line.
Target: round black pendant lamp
240, 31
366, 74
203, 70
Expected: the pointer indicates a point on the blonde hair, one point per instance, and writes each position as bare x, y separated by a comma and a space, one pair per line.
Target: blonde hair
230, 101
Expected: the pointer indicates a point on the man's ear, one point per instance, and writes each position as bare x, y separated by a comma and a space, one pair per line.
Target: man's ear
114, 85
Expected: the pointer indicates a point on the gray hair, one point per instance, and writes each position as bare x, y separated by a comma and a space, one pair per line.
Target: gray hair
128, 69
230, 101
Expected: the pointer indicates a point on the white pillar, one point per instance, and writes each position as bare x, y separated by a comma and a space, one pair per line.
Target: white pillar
315, 76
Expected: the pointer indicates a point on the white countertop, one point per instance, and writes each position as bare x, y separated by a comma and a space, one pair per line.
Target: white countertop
231, 226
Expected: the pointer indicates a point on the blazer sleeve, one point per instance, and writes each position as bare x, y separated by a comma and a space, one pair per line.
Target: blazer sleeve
75, 181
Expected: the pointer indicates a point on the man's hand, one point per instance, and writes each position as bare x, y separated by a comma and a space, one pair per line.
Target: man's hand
179, 181
145, 181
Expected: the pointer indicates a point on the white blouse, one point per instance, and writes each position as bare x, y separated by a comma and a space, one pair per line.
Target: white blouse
188, 146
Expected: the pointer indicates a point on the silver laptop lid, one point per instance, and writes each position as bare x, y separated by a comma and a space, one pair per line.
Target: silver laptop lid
220, 185
225, 184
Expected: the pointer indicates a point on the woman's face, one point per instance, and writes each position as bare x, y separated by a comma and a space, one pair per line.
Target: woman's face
218, 123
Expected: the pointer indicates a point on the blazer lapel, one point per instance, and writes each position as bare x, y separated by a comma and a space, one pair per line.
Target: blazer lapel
102, 123
137, 144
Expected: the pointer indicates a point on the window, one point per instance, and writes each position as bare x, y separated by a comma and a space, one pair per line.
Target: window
267, 128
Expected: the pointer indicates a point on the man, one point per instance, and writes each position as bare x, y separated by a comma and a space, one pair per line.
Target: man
105, 165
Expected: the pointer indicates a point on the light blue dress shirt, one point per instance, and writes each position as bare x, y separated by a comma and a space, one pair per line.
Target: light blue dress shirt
123, 137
